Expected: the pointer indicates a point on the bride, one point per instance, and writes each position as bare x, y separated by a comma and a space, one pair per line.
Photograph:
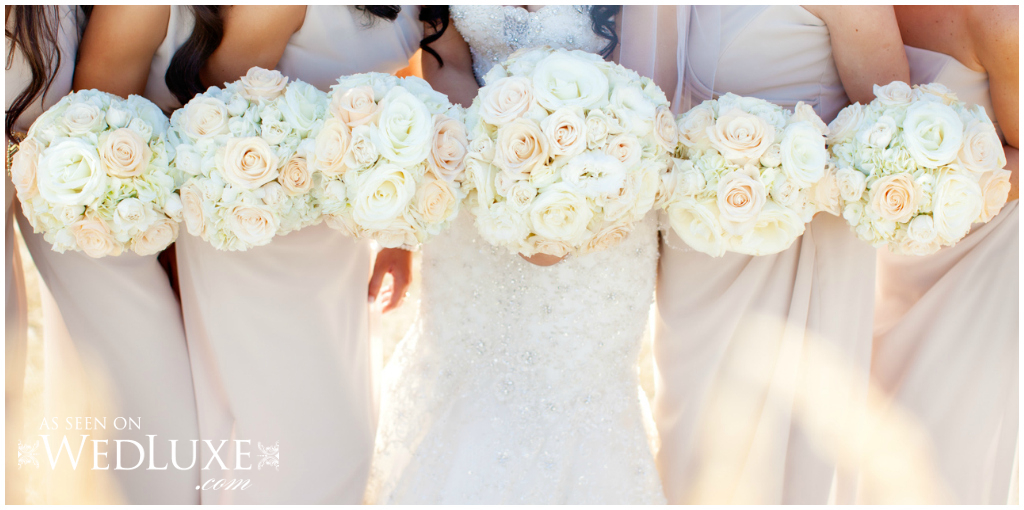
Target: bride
518, 381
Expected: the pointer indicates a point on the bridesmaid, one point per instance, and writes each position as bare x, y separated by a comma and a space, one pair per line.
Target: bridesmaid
41, 44
278, 333
946, 324
122, 317
732, 331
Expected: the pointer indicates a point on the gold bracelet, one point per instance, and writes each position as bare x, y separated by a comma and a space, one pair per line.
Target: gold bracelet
12, 149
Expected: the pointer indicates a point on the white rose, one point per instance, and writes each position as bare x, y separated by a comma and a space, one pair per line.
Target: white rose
273, 194
448, 147
274, 131
335, 191
172, 207
851, 184
248, 162
95, 239
784, 192
805, 113
740, 136
826, 193
505, 100
520, 195
124, 153
332, 144
594, 174
187, 160
803, 154
538, 244
775, 230
435, 200
259, 83
696, 223
204, 117
404, 128
361, 151
566, 132
844, 127
71, 173
921, 229
741, 197
625, 148
689, 180
23, 169
117, 117
355, 106
521, 146
82, 118
666, 133
501, 226
598, 129
894, 198
771, 157
932, 133
610, 236
560, 214
131, 214
253, 225
303, 105
482, 147
879, 134
995, 188
192, 209
158, 236
695, 126
382, 196
295, 176
896, 93
982, 150
937, 91
564, 80
957, 203
398, 234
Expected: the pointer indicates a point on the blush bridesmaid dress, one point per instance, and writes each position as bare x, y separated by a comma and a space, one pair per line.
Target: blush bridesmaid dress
947, 329
114, 342
278, 334
734, 335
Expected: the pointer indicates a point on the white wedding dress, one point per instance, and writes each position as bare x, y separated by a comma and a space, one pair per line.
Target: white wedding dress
518, 383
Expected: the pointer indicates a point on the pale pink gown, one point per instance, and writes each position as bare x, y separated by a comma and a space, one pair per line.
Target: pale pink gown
732, 333
122, 325
16, 78
947, 329
278, 333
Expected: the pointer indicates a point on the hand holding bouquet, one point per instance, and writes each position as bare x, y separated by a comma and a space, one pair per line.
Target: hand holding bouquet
92, 175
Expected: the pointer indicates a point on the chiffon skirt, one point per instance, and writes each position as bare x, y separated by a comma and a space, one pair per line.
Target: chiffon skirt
750, 353
946, 346
115, 349
280, 354
15, 343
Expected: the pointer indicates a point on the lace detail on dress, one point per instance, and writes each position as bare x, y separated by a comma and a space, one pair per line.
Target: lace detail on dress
494, 32
519, 383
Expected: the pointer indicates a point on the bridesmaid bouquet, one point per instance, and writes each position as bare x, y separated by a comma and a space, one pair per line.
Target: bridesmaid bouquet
92, 175
746, 175
246, 154
567, 152
916, 167
391, 155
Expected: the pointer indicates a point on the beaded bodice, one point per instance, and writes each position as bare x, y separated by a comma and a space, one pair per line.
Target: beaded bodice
496, 31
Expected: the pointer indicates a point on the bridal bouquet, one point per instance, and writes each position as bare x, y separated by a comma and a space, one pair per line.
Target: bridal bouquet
92, 175
916, 167
746, 175
391, 154
567, 152
246, 153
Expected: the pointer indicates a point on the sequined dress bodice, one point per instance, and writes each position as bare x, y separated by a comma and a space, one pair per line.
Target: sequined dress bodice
519, 383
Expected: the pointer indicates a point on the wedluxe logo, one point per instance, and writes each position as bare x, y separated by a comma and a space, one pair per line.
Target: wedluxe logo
155, 455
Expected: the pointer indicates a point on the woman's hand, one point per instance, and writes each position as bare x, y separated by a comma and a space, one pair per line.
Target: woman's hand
397, 263
542, 259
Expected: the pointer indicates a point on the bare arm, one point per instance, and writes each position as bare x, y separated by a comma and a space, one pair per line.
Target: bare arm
117, 48
254, 35
866, 45
994, 32
455, 77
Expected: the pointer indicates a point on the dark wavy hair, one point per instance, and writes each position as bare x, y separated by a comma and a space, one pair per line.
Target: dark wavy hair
182, 75
35, 35
602, 19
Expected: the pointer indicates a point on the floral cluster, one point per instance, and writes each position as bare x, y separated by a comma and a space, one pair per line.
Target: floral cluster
567, 152
916, 167
246, 154
391, 153
746, 175
92, 175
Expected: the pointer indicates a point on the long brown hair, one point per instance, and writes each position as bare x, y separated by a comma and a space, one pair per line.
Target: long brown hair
35, 35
